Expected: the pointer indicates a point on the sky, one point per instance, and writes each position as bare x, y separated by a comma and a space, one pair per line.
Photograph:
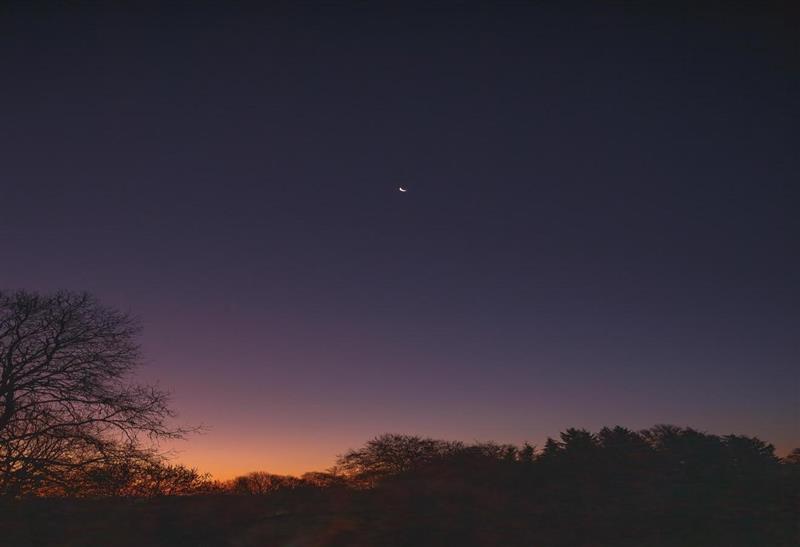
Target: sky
600, 226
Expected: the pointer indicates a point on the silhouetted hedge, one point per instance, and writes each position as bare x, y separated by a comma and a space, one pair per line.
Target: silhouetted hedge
665, 486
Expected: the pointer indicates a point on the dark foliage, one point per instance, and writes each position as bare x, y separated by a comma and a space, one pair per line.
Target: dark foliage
72, 422
665, 486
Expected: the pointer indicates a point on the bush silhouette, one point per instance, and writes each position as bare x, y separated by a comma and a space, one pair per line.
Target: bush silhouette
664, 486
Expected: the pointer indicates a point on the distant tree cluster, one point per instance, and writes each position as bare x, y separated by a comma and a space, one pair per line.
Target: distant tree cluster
665, 486
261, 483
664, 450
671, 485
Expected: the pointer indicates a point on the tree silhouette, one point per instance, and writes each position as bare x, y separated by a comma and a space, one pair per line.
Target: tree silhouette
260, 483
136, 474
747, 454
664, 486
579, 443
392, 454
793, 458
527, 453
66, 403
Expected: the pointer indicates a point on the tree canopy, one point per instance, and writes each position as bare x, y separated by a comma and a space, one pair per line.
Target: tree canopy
67, 400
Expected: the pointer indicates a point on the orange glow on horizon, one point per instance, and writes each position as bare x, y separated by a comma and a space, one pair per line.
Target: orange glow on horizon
290, 458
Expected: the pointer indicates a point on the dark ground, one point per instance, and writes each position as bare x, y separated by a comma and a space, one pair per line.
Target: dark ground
394, 517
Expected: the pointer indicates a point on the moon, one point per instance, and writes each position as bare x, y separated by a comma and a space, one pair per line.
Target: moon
402, 189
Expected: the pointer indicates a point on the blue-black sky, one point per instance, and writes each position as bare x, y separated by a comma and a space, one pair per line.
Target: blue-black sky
601, 223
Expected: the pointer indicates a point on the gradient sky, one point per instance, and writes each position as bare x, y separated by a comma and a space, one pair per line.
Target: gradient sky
600, 227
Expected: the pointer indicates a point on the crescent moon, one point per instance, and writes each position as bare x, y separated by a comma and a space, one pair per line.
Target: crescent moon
402, 189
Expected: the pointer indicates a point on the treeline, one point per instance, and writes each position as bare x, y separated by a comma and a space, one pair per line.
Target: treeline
663, 452
613, 460
663, 486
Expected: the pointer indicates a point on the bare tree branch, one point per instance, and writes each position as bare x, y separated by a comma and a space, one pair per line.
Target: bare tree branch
66, 397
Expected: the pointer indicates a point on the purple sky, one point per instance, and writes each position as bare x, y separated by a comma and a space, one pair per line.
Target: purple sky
600, 228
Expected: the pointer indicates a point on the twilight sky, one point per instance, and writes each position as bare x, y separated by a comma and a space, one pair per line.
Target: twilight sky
600, 227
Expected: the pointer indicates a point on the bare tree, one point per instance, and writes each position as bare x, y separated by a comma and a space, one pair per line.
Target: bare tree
260, 483
391, 454
66, 398
139, 474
